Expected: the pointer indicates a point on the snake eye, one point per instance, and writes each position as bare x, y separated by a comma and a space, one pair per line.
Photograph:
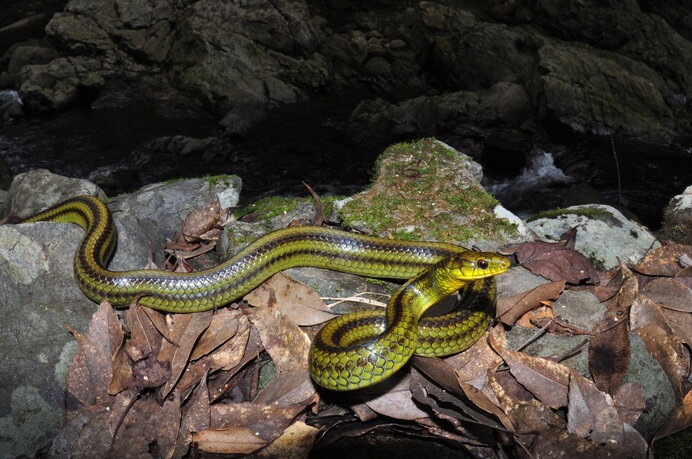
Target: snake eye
483, 264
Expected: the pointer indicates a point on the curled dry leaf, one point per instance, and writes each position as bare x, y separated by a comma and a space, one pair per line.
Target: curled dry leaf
91, 370
296, 300
471, 366
233, 440
205, 223
510, 309
295, 442
665, 260
555, 262
224, 325
669, 353
145, 338
525, 416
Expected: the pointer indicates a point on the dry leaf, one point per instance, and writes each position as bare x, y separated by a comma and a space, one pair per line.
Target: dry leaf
509, 309
296, 442
296, 300
591, 413
545, 379
629, 402
610, 350
233, 440
555, 262
669, 353
224, 325
287, 344
91, 370
397, 402
189, 328
664, 261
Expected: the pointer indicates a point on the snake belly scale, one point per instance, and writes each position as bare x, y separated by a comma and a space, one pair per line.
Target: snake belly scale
351, 351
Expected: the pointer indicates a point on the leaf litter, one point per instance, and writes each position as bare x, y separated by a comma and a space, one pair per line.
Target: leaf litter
148, 384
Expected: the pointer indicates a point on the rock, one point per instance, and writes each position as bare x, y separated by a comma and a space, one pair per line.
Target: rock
598, 226
435, 189
169, 203
5, 177
677, 219
599, 95
10, 106
39, 189
461, 114
38, 295
27, 54
582, 309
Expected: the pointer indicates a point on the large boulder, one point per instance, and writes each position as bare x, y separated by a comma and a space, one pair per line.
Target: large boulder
677, 219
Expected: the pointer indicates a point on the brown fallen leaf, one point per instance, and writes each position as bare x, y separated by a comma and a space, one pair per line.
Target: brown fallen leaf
296, 442
675, 302
664, 261
629, 401
669, 353
295, 299
610, 349
188, 327
510, 309
224, 325
196, 418
232, 440
167, 426
448, 404
225, 357
591, 413
545, 379
205, 223
287, 344
555, 262
397, 402
473, 364
91, 370
525, 416
145, 339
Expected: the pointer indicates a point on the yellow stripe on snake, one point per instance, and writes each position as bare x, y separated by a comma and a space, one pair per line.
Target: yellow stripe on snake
351, 351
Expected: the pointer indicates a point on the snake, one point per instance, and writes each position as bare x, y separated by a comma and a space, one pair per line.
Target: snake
351, 351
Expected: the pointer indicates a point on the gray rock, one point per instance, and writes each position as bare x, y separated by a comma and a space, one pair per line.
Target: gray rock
39, 189
169, 203
10, 105
677, 219
38, 295
604, 235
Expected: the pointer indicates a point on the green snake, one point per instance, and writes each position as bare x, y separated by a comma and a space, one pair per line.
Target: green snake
351, 351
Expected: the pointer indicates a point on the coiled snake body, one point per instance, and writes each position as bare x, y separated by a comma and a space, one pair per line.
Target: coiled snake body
352, 351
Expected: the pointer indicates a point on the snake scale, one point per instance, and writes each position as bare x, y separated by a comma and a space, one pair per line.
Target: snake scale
351, 351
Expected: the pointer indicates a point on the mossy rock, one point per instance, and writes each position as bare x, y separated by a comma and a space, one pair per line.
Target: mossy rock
426, 190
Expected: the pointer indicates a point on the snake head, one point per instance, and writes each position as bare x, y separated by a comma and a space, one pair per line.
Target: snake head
473, 265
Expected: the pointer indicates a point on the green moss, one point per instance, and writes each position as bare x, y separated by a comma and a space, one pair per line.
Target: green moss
269, 207
590, 212
420, 184
225, 179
